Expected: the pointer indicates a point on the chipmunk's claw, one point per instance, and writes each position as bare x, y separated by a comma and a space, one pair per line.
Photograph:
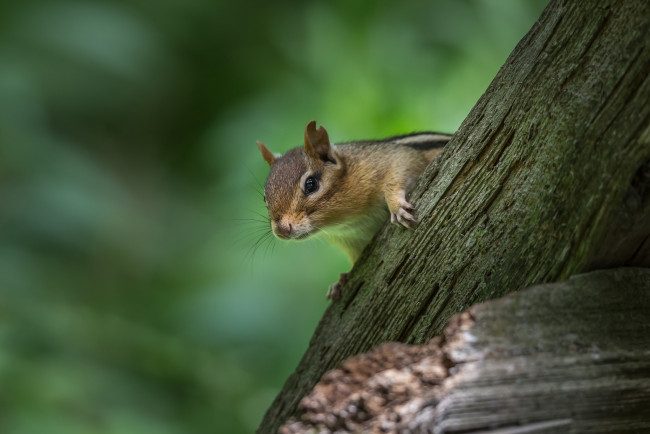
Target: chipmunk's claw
403, 216
334, 291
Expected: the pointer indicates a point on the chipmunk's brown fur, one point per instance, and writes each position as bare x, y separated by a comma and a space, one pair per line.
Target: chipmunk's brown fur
345, 191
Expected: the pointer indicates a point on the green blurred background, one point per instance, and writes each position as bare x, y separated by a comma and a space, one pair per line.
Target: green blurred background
132, 297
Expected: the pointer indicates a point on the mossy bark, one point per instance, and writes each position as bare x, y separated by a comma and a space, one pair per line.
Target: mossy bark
548, 176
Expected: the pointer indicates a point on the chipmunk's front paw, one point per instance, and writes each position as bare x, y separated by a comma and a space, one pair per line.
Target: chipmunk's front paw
403, 215
334, 290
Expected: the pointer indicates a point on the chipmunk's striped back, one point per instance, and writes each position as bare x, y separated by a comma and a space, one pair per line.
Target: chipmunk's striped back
420, 141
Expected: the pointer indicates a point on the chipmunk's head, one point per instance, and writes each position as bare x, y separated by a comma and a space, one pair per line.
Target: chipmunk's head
301, 185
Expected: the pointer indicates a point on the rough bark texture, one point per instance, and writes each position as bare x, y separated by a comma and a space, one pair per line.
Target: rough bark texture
571, 357
547, 177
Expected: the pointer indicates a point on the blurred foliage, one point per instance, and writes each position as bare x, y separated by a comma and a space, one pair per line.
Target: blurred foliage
135, 294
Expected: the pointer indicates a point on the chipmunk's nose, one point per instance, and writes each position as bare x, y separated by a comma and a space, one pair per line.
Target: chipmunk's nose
283, 229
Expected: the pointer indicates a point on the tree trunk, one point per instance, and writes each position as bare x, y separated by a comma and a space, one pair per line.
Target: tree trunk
548, 176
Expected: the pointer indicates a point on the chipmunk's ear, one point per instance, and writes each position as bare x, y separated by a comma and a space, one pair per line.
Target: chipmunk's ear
317, 143
268, 156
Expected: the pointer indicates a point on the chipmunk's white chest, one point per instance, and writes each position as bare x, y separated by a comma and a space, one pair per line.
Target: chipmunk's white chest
353, 235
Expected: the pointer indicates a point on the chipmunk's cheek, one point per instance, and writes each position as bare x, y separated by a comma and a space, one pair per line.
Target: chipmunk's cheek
332, 219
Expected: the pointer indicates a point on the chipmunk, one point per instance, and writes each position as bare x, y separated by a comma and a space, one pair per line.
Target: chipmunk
345, 191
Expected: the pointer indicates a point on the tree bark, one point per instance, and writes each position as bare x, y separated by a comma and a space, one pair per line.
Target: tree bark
567, 357
548, 176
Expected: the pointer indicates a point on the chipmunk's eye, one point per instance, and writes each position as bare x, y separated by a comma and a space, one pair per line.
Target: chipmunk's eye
311, 185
